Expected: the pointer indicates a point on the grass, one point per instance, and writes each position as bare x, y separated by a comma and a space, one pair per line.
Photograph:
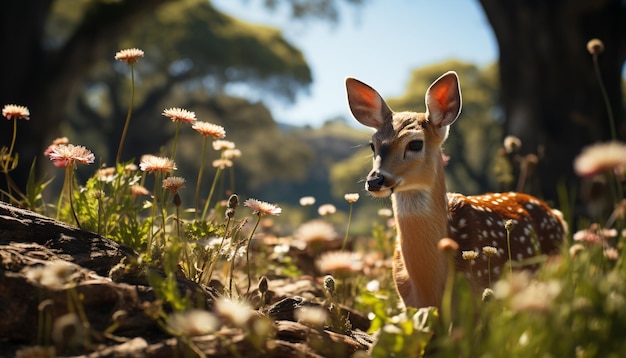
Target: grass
575, 305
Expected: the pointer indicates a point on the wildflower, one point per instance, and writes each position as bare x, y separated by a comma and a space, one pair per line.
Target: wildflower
151, 164
509, 225
329, 284
67, 155
223, 145
536, 297
222, 163
191, 323
97, 194
594, 234
611, 253
512, 144
180, 115
69, 332
307, 201
56, 141
233, 202
326, 209
487, 294
131, 167
173, 184
236, 312
209, 129
385, 212
313, 316
575, 250
137, 190
36, 351
13, 111
490, 250
129, 56
315, 233
351, 198
340, 263
53, 274
107, 175
469, 255
373, 286
232, 153
262, 207
595, 46
447, 245
601, 157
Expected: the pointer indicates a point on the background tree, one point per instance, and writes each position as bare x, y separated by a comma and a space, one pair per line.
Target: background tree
61, 52
549, 93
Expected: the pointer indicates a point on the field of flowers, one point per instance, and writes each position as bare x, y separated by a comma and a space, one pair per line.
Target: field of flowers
574, 305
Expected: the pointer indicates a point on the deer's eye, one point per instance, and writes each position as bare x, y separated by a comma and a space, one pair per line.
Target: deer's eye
415, 145
372, 147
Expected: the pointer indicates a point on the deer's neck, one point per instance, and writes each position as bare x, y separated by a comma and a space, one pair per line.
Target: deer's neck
421, 220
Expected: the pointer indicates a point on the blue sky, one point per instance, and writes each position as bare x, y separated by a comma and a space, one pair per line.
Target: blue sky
379, 43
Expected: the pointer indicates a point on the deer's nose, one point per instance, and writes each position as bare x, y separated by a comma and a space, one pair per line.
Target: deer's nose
375, 181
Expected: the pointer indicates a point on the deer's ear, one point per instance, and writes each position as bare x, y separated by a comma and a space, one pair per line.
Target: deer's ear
443, 100
367, 106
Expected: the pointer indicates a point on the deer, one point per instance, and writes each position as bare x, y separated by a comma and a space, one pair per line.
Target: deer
408, 166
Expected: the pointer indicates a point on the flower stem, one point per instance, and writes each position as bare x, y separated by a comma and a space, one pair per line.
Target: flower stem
9, 157
69, 170
508, 243
204, 148
207, 278
128, 115
605, 96
154, 207
248, 250
446, 304
175, 140
208, 200
345, 239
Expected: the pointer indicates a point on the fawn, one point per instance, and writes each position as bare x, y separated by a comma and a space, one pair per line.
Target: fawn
408, 164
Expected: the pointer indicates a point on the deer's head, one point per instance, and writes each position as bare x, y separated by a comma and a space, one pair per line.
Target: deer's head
406, 145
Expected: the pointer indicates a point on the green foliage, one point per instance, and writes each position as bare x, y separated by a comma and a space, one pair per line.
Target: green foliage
33, 198
344, 173
107, 206
408, 335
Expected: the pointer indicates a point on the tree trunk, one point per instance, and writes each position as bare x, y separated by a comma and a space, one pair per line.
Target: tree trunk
43, 78
551, 97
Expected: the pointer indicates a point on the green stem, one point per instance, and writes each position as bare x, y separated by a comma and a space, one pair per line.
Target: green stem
208, 200
204, 148
248, 250
128, 115
69, 170
154, 207
63, 193
508, 243
12, 143
489, 269
605, 96
9, 160
207, 278
232, 179
446, 301
183, 239
175, 140
345, 239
